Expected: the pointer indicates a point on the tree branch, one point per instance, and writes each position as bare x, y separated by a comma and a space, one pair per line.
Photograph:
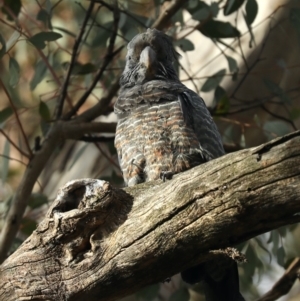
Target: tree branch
96, 241
163, 19
63, 93
285, 283
59, 132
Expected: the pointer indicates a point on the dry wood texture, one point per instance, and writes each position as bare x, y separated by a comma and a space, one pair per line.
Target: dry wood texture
101, 243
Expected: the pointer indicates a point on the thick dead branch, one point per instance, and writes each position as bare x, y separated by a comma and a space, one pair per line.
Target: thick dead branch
101, 243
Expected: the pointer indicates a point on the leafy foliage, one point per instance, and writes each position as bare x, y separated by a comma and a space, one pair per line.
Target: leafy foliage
43, 71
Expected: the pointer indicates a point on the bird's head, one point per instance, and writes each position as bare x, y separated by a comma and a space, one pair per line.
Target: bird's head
150, 55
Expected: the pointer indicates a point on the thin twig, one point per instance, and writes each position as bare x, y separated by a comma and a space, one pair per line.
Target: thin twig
280, 117
63, 94
110, 54
111, 8
17, 118
284, 284
167, 14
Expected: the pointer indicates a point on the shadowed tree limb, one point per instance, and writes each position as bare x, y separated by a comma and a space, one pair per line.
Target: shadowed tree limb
285, 283
98, 242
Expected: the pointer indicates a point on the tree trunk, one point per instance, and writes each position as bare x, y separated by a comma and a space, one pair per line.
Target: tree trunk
98, 242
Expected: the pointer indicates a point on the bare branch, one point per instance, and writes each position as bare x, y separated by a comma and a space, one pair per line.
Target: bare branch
110, 54
167, 14
97, 241
59, 132
285, 283
17, 118
63, 93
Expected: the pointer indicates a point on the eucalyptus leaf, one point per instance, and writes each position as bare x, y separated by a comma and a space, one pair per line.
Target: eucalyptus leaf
281, 256
218, 29
44, 111
222, 100
39, 74
212, 82
231, 6
11, 8
39, 40
14, 72
232, 63
184, 45
3, 46
251, 11
5, 114
276, 128
276, 90
44, 17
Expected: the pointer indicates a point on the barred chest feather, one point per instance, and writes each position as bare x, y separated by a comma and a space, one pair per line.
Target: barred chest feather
154, 138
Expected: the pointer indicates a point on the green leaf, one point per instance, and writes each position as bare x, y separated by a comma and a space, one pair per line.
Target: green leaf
214, 9
276, 128
220, 95
44, 17
39, 39
3, 44
12, 40
44, 111
192, 4
148, 293
251, 257
232, 63
185, 45
201, 14
217, 29
212, 82
275, 89
40, 72
27, 226
37, 200
11, 6
261, 245
5, 113
65, 31
180, 295
251, 11
5, 161
205, 11
83, 69
232, 6
281, 256
14, 72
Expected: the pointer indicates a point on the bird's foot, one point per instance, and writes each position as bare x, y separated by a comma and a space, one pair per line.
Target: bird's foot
166, 175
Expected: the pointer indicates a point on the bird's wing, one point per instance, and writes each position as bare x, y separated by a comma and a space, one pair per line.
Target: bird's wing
197, 116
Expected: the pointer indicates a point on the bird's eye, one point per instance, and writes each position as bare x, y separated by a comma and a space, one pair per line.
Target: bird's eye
129, 57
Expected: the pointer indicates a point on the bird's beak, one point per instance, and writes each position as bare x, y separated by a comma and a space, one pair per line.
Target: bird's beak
148, 57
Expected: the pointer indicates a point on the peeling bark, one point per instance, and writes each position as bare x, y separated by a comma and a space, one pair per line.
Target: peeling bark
98, 242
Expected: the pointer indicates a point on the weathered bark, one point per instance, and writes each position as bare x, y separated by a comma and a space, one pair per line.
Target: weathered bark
100, 243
